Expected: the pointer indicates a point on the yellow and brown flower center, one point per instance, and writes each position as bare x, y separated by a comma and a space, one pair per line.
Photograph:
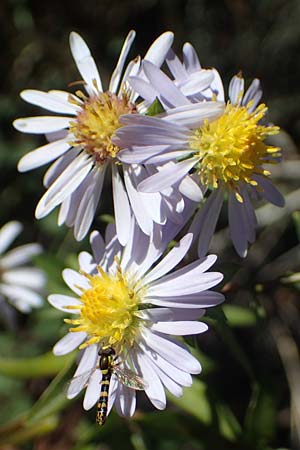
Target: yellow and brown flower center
107, 313
97, 121
231, 149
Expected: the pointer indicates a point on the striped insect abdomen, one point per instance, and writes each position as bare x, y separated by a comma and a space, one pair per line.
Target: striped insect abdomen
106, 362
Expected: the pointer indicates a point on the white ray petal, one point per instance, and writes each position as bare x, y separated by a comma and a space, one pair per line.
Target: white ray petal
49, 101
43, 155
117, 73
42, 124
121, 207
85, 63
8, 234
63, 302
170, 261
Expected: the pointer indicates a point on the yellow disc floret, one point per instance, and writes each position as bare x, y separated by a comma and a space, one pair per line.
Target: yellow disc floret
231, 149
107, 313
97, 121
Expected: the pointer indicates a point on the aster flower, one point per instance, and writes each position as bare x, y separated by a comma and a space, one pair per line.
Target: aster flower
226, 151
82, 148
126, 303
19, 285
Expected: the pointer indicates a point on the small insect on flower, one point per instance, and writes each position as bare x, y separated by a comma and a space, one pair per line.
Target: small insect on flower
123, 315
108, 364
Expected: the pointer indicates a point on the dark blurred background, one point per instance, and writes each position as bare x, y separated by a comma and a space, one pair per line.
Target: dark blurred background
247, 397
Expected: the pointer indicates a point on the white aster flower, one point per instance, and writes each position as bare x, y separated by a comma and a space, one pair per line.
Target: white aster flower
226, 150
19, 285
82, 148
126, 303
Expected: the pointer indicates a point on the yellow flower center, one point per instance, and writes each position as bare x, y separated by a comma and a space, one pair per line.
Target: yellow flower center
97, 121
231, 149
107, 313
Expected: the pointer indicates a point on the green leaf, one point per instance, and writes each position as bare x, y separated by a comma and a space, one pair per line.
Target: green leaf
239, 316
36, 367
260, 422
201, 404
217, 319
155, 108
296, 219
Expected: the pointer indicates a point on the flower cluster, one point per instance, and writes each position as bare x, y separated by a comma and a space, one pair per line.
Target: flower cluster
171, 144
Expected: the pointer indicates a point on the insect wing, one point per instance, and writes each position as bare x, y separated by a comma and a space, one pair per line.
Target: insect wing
129, 378
74, 386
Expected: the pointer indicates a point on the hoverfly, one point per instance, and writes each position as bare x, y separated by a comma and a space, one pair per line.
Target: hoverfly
107, 365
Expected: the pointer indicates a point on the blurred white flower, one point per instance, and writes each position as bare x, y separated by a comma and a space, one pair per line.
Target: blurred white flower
126, 303
19, 285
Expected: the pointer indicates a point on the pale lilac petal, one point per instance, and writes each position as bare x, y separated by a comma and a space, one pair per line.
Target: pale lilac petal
154, 389
188, 280
204, 299
92, 391
196, 82
270, 192
68, 343
19, 295
190, 58
136, 202
194, 115
190, 189
157, 52
179, 376
116, 76
59, 166
20, 255
8, 234
86, 262
64, 185
62, 302
254, 93
88, 204
43, 155
144, 89
49, 101
97, 245
171, 95
125, 402
83, 371
176, 67
85, 63
170, 261
26, 276
180, 328
121, 207
77, 282
205, 220
236, 89
167, 176
171, 352
42, 124
237, 226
